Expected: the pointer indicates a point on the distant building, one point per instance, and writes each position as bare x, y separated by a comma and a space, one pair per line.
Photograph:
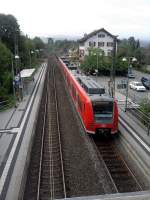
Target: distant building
99, 39
50, 41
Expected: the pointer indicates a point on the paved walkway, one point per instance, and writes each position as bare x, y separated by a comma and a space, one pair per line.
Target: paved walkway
11, 118
13, 135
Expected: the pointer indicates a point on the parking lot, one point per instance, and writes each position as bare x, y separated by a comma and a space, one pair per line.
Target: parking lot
136, 96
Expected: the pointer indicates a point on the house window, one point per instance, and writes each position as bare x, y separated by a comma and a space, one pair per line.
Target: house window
109, 44
101, 44
81, 52
92, 44
109, 53
101, 35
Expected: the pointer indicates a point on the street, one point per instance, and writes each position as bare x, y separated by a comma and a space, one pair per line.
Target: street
135, 96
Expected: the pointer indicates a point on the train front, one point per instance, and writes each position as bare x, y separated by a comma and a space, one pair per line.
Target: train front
105, 114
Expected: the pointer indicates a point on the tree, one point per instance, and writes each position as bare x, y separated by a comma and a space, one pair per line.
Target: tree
5, 71
62, 47
9, 31
94, 61
145, 106
39, 44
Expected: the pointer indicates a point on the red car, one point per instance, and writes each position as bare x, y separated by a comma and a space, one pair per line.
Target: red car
98, 111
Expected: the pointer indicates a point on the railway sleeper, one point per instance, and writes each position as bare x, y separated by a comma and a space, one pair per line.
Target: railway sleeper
118, 171
122, 178
51, 152
129, 187
114, 163
46, 189
54, 175
51, 162
46, 169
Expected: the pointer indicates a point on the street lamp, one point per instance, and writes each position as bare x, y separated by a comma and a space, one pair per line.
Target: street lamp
130, 60
18, 77
30, 56
13, 78
111, 82
97, 62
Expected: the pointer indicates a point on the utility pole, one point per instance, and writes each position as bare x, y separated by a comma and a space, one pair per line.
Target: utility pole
13, 78
113, 70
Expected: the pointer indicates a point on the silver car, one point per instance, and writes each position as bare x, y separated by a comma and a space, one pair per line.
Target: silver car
135, 85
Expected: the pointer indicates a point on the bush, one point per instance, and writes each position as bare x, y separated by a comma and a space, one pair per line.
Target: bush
145, 107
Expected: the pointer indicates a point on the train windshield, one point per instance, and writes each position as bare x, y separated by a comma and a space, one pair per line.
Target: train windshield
103, 112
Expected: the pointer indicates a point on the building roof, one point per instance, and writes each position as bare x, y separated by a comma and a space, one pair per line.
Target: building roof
94, 33
26, 73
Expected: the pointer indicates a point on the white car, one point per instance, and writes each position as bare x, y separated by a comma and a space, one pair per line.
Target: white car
137, 86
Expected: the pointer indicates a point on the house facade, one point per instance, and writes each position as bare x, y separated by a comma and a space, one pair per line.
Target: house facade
101, 39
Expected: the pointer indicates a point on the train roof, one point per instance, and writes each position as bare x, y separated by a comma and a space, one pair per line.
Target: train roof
92, 88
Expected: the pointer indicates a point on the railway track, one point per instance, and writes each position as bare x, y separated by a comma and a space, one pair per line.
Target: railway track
122, 177
46, 179
46, 175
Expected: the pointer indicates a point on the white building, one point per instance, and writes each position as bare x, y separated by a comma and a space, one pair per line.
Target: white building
99, 39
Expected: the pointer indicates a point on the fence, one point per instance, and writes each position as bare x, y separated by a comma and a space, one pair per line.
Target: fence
141, 116
5, 104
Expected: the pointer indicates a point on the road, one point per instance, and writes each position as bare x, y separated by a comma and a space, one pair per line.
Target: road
135, 96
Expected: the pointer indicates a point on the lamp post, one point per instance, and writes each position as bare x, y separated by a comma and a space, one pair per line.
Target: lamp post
129, 60
30, 56
111, 83
97, 62
13, 78
113, 65
20, 86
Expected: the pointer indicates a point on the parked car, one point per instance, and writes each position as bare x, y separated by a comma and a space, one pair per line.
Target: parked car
137, 86
131, 75
146, 82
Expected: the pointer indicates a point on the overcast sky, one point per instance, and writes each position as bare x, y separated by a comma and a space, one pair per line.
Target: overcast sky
76, 17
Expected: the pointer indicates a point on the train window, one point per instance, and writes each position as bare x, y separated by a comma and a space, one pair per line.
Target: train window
73, 92
103, 112
84, 107
80, 103
68, 79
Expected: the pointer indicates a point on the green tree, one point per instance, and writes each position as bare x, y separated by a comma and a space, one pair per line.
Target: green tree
9, 31
38, 43
5, 71
94, 61
62, 47
145, 107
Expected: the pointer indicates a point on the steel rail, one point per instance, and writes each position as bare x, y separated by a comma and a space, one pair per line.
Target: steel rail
105, 166
60, 149
133, 176
51, 159
41, 153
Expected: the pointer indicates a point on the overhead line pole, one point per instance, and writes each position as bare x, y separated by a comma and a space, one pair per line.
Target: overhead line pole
113, 71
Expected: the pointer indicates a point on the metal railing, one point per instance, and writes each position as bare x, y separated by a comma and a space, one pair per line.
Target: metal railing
141, 116
5, 104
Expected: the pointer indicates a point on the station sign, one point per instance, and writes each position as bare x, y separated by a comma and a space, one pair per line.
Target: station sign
16, 81
17, 78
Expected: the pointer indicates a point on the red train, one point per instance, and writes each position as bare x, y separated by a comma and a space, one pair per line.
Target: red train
98, 112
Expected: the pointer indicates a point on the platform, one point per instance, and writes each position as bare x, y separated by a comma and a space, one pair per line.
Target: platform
16, 133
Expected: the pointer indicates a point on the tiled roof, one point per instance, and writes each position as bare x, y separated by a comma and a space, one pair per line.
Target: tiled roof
94, 33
